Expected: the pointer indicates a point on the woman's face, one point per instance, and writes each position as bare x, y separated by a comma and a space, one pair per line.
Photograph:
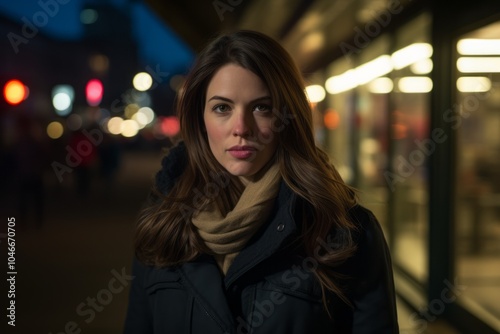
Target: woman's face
239, 120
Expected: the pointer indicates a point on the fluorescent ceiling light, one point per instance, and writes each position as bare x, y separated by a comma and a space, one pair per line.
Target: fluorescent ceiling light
415, 84
473, 84
476, 46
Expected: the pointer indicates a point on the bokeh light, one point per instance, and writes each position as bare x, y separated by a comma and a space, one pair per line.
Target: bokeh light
170, 125
315, 93
148, 112
15, 92
114, 125
55, 130
74, 122
142, 81
331, 119
130, 110
129, 128
61, 101
88, 16
94, 92
141, 119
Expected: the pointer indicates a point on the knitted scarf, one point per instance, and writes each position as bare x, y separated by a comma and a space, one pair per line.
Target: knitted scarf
226, 236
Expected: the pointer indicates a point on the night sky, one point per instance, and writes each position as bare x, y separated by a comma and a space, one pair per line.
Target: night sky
157, 43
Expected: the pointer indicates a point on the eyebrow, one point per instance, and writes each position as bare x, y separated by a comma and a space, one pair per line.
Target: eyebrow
217, 97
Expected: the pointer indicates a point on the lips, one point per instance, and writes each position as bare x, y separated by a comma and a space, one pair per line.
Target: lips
242, 152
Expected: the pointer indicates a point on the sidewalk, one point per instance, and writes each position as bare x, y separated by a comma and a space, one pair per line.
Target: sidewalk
72, 272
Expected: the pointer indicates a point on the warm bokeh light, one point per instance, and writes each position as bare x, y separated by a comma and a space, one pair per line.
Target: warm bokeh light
148, 112
478, 64
315, 93
74, 122
373, 69
129, 128
399, 131
342, 82
361, 75
380, 86
55, 130
312, 42
477, 46
141, 119
473, 84
415, 84
130, 110
114, 125
170, 125
331, 119
411, 54
15, 92
142, 81
94, 92
423, 66
99, 63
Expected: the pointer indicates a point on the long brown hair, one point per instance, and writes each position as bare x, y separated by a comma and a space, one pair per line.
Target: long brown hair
165, 235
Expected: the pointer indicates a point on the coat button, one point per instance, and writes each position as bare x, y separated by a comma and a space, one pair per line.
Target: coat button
280, 227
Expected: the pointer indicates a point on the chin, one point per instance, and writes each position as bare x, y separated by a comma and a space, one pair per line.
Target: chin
244, 171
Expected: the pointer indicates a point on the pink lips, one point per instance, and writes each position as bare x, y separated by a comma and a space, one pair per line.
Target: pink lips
242, 152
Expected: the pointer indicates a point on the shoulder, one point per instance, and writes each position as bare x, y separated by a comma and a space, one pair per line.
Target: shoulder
172, 166
146, 276
372, 259
367, 225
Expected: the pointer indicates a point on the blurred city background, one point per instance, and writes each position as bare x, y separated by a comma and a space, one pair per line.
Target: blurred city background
406, 101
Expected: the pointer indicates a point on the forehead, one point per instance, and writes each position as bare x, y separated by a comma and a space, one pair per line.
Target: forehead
234, 79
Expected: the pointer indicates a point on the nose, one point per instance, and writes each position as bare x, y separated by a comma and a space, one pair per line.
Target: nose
242, 125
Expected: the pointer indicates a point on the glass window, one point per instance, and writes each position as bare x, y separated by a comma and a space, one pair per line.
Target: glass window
372, 127
357, 120
409, 139
339, 119
378, 106
477, 203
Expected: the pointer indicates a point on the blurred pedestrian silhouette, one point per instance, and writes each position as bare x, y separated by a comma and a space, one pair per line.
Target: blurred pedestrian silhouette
85, 155
109, 158
31, 156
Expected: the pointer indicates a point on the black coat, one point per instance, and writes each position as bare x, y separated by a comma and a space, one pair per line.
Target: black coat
269, 288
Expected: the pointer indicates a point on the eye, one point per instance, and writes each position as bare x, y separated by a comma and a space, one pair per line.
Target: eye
264, 108
221, 108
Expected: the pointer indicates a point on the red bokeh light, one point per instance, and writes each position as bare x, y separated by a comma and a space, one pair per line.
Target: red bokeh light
170, 126
94, 92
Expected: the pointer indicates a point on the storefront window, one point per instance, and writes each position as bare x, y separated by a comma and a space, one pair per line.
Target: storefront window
372, 110
477, 204
378, 115
408, 178
339, 120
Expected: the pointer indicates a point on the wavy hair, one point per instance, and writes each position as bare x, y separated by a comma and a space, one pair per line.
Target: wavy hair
165, 235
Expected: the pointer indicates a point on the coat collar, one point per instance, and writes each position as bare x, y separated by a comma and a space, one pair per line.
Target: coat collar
202, 276
270, 238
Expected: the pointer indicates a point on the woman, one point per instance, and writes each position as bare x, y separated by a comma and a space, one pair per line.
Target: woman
250, 229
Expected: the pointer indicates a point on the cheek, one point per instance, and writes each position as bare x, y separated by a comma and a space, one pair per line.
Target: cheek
267, 135
214, 133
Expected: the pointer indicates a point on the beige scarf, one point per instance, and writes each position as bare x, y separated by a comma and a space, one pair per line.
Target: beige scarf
226, 236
